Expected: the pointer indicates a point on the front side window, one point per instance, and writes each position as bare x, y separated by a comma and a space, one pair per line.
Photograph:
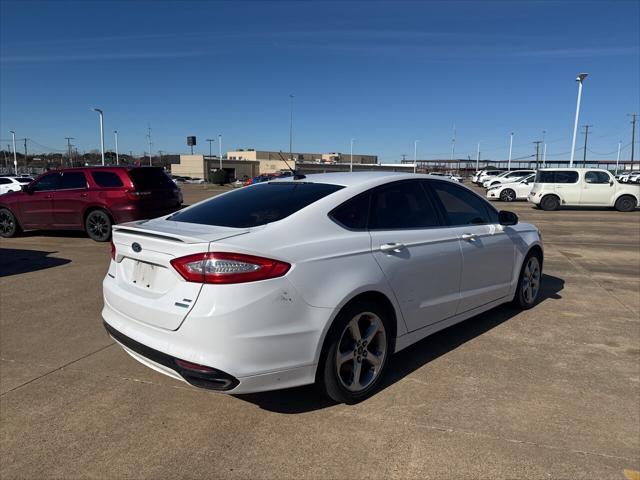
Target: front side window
596, 177
462, 206
50, 181
401, 205
71, 180
256, 205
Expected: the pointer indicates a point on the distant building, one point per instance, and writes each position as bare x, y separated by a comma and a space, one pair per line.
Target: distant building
272, 162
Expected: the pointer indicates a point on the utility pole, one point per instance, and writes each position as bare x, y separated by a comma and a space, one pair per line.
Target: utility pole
478, 158
537, 144
586, 135
404, 157
68, 139
453, 143
149, 140
210, 140
160, 152
618, 157
415, 156
25, 151
634, 116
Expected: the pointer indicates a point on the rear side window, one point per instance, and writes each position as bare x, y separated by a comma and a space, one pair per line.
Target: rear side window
5, 181
353, 213
107, 179
71, 180
24, 179
150, 178
462, 206
596, 177
401, 205
256, 205
558, 176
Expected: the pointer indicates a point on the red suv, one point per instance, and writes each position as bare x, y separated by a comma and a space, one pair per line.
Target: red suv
90, 199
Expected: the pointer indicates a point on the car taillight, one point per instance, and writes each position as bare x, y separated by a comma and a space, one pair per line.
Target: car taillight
223, 267
136, 195
113, 250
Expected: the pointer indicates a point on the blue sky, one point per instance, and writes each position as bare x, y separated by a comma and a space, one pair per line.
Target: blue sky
384, 73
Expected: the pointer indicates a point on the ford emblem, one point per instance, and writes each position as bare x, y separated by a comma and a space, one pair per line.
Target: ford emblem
135, 246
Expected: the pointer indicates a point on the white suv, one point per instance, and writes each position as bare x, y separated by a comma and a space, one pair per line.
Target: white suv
589, 187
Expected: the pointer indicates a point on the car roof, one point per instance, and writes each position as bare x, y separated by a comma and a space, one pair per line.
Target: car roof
356, 179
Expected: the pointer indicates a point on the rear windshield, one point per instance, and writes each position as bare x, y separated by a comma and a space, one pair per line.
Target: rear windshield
149, 178
256, 205
557, 176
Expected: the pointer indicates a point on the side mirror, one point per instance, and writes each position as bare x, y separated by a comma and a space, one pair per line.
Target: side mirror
611, 183
507, 218
27, 189
526, 182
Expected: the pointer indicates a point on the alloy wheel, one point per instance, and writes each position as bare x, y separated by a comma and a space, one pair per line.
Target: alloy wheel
7, 223
361, 351
531, 280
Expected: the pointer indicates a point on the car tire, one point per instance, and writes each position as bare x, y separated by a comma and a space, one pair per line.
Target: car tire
508, 195
550, 203
98, 226
346, 356
626, 203
529, 282
9, 226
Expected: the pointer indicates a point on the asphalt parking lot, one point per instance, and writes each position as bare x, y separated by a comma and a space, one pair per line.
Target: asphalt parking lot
553, 392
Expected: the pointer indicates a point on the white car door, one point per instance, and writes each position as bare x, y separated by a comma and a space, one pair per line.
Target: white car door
567, 186
419, 256
487, 250
597, 188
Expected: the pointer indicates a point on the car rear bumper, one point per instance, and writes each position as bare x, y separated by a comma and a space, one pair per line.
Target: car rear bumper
256, 344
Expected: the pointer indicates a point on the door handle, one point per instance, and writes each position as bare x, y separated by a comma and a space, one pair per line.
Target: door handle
391, 247
469, 236
48, 197
83, 195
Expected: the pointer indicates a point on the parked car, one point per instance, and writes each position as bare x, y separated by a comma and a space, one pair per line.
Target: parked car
13, 184
634, 178
90, 199
487, 175
259, 179
625, 176
508, 192
198, 181
450, 176
321, 279
556, 187
507, 177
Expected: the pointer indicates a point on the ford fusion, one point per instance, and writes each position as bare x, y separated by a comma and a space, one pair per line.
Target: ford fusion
316, 279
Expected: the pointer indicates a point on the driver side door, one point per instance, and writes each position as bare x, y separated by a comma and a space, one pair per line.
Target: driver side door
36, 207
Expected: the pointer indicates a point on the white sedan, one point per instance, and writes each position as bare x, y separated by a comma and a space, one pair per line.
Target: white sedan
13, 184
507, 177
312, 279
508, 192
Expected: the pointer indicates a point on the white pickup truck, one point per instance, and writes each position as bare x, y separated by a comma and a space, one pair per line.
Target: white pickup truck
587, 187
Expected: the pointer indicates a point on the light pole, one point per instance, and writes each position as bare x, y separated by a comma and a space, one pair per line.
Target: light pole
291, 130
415, 156
149, 140
351, 160
15, 159
220, 149
101, 133
580, 78
510, 150
115, 134
210, 140
618, 157
478, 158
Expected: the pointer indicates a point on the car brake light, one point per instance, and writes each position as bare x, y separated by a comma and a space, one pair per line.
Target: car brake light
136, 195
113, 250
223, 267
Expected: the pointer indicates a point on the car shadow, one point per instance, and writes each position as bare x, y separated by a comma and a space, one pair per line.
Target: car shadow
308, 398
54, 233
15, 261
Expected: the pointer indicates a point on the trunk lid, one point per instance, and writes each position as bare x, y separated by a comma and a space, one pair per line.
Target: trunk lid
146, 287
